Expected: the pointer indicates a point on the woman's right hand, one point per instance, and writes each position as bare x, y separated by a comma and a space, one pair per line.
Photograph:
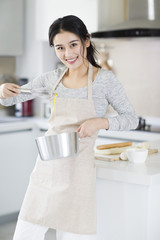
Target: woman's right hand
8, 90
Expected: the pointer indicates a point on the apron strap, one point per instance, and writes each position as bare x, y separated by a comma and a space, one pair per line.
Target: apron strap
90, 76
58, 80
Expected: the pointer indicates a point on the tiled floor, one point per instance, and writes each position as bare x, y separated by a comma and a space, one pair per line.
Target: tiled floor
7, 230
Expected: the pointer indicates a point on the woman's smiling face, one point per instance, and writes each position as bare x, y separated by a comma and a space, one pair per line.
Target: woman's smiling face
69, 49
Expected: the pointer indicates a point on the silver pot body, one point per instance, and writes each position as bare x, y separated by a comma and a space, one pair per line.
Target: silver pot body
57, 146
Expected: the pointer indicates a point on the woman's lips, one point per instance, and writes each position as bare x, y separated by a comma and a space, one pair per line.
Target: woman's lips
71, 61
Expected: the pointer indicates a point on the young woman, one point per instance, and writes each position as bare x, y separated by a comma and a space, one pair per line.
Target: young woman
62, 193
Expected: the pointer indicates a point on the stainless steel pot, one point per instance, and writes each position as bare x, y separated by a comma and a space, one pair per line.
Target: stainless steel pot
57, 146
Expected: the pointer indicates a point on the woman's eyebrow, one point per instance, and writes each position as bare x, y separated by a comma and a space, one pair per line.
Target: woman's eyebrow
57, 45
73, 41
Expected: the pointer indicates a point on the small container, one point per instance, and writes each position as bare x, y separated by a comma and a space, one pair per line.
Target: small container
27, 108
57, 146
137, 155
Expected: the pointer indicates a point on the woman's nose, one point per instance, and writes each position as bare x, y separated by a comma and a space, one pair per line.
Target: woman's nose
67, 52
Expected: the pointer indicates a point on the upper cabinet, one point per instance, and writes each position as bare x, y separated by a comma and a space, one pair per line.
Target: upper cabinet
11, 27
49, 10
111, 12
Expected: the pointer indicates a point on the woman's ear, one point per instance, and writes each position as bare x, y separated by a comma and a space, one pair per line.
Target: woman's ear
87, 42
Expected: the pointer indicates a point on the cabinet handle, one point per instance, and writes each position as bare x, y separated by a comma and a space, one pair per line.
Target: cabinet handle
42, 130
16, 131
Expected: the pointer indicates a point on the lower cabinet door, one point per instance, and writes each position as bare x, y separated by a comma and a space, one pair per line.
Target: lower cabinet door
17, 158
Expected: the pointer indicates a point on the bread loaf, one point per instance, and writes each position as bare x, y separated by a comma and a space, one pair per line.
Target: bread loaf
114, 145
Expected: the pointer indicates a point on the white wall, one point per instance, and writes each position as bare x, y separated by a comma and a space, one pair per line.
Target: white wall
136, 64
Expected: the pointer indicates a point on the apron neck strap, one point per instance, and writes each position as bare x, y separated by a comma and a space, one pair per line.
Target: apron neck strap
90, 76
59, 79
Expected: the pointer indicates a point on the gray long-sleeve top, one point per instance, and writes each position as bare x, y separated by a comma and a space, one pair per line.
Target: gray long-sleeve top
106, 90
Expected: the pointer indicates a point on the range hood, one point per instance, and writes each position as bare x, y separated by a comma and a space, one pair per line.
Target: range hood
143, 20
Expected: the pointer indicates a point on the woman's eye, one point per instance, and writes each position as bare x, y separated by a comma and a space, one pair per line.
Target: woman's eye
59, 48
74, 44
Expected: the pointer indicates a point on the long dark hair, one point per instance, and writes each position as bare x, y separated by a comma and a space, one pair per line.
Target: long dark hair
74, 25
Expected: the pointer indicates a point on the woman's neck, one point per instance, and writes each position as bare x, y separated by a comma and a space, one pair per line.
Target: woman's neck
76, 78
79, 72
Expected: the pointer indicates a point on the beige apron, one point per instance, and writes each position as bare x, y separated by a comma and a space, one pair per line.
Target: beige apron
62, 193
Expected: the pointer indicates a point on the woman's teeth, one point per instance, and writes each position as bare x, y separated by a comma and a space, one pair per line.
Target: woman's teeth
72, 60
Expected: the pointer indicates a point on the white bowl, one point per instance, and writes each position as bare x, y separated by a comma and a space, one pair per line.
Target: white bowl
137, 155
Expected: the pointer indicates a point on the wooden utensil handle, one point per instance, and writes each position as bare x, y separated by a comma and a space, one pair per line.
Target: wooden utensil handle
114, 145
151, 151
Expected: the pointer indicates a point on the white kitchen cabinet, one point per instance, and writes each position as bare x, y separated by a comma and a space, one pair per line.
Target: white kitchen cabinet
128, 194
18, 154
127, 211
49, 10
11, 27
111, 12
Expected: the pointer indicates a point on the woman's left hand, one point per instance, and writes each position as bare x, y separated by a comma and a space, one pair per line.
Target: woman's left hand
89, 127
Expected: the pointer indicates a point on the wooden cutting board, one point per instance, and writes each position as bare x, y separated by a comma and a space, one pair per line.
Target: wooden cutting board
112, 158
107, 158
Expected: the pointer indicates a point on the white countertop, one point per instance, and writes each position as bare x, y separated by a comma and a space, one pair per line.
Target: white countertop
147, 173
16, 124
130, 135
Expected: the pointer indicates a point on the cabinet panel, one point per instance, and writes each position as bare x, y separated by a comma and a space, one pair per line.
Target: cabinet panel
49, 10
18, 156
111, 12
11, 27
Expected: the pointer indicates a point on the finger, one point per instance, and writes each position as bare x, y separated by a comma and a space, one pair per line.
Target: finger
17, 91
15, 85
82, 134
79, 129
13, 90
9, 93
